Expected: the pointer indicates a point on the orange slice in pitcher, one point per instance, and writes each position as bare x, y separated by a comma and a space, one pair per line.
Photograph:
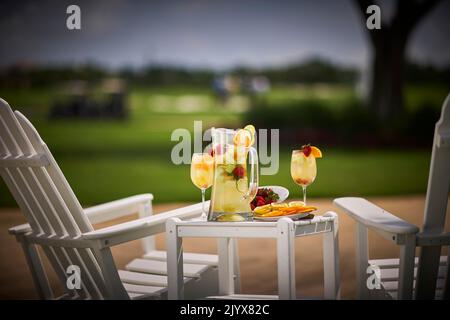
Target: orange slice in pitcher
243, 138
250, 128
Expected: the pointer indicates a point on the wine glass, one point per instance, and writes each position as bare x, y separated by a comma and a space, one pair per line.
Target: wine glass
202, 170
303, 170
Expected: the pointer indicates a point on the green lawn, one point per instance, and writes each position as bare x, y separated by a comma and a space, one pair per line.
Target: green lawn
107, 160
97, 178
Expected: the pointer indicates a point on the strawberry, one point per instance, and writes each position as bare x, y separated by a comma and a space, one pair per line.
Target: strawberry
218, 149
264, 196
238, 172
259, 198
252, 206
306, 149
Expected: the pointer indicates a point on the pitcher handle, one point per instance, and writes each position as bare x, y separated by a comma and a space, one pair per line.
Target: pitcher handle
254, 174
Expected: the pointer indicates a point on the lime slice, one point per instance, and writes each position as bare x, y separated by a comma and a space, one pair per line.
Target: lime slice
243, 138
278, 205
296, 203
241, 185
262, 209
250, 128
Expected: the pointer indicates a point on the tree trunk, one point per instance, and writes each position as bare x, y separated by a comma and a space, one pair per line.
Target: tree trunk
389, 43
386, 95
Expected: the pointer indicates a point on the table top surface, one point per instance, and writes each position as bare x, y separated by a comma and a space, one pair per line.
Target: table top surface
196, 222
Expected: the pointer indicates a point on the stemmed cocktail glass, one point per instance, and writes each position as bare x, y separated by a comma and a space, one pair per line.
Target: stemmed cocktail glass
303, 166
202, 172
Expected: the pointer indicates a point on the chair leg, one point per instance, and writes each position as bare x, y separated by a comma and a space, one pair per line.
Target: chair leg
112, 280
36, 268
175, 279
406, 268
447, 280
362, 260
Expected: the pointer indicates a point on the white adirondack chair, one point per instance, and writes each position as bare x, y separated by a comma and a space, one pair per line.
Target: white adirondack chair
59, 225
424, 277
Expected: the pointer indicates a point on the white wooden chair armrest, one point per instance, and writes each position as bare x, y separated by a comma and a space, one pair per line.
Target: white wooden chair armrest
139, 228
103, 212
118, 208
374, 217
20, 229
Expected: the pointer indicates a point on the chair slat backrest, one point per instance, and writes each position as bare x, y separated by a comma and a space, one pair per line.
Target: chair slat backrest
47, 201
435, 206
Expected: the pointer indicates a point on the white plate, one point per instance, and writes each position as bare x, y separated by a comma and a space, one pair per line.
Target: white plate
282, 192
292, 216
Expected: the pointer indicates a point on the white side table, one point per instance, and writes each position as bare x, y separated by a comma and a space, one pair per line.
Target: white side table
284, 230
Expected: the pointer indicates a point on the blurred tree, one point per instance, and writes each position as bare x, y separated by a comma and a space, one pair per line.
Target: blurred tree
388, 45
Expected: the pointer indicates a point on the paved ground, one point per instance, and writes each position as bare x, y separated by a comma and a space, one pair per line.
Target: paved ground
257, 257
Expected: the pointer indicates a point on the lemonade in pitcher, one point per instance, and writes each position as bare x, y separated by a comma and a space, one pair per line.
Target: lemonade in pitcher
235, 182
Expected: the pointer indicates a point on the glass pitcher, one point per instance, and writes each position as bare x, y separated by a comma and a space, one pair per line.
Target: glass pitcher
234, 184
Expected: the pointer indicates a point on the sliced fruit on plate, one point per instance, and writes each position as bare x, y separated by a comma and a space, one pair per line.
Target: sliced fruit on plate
296, 203
280, 210
274, 213
262, 209
278, 205
303, 208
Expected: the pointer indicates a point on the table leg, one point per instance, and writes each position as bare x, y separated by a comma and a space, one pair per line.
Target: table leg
331, 273
286, 259
362, 261
226, 265
237, 268
175, 281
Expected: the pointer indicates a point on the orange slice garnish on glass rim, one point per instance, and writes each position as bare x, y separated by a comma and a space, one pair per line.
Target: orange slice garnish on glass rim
316, 152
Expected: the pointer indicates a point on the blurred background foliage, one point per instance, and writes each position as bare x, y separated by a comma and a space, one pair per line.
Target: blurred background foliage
109, 122
313, 101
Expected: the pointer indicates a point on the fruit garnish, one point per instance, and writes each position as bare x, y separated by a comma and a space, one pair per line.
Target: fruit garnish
316, 152
278, 205
252, 131
283, 209
238, 172
206, 162
264, 196
241, 185
273, 213
243, 138
308, 149
296, 203
298, 209
262, 209
250, 128
303, 182
217, 150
